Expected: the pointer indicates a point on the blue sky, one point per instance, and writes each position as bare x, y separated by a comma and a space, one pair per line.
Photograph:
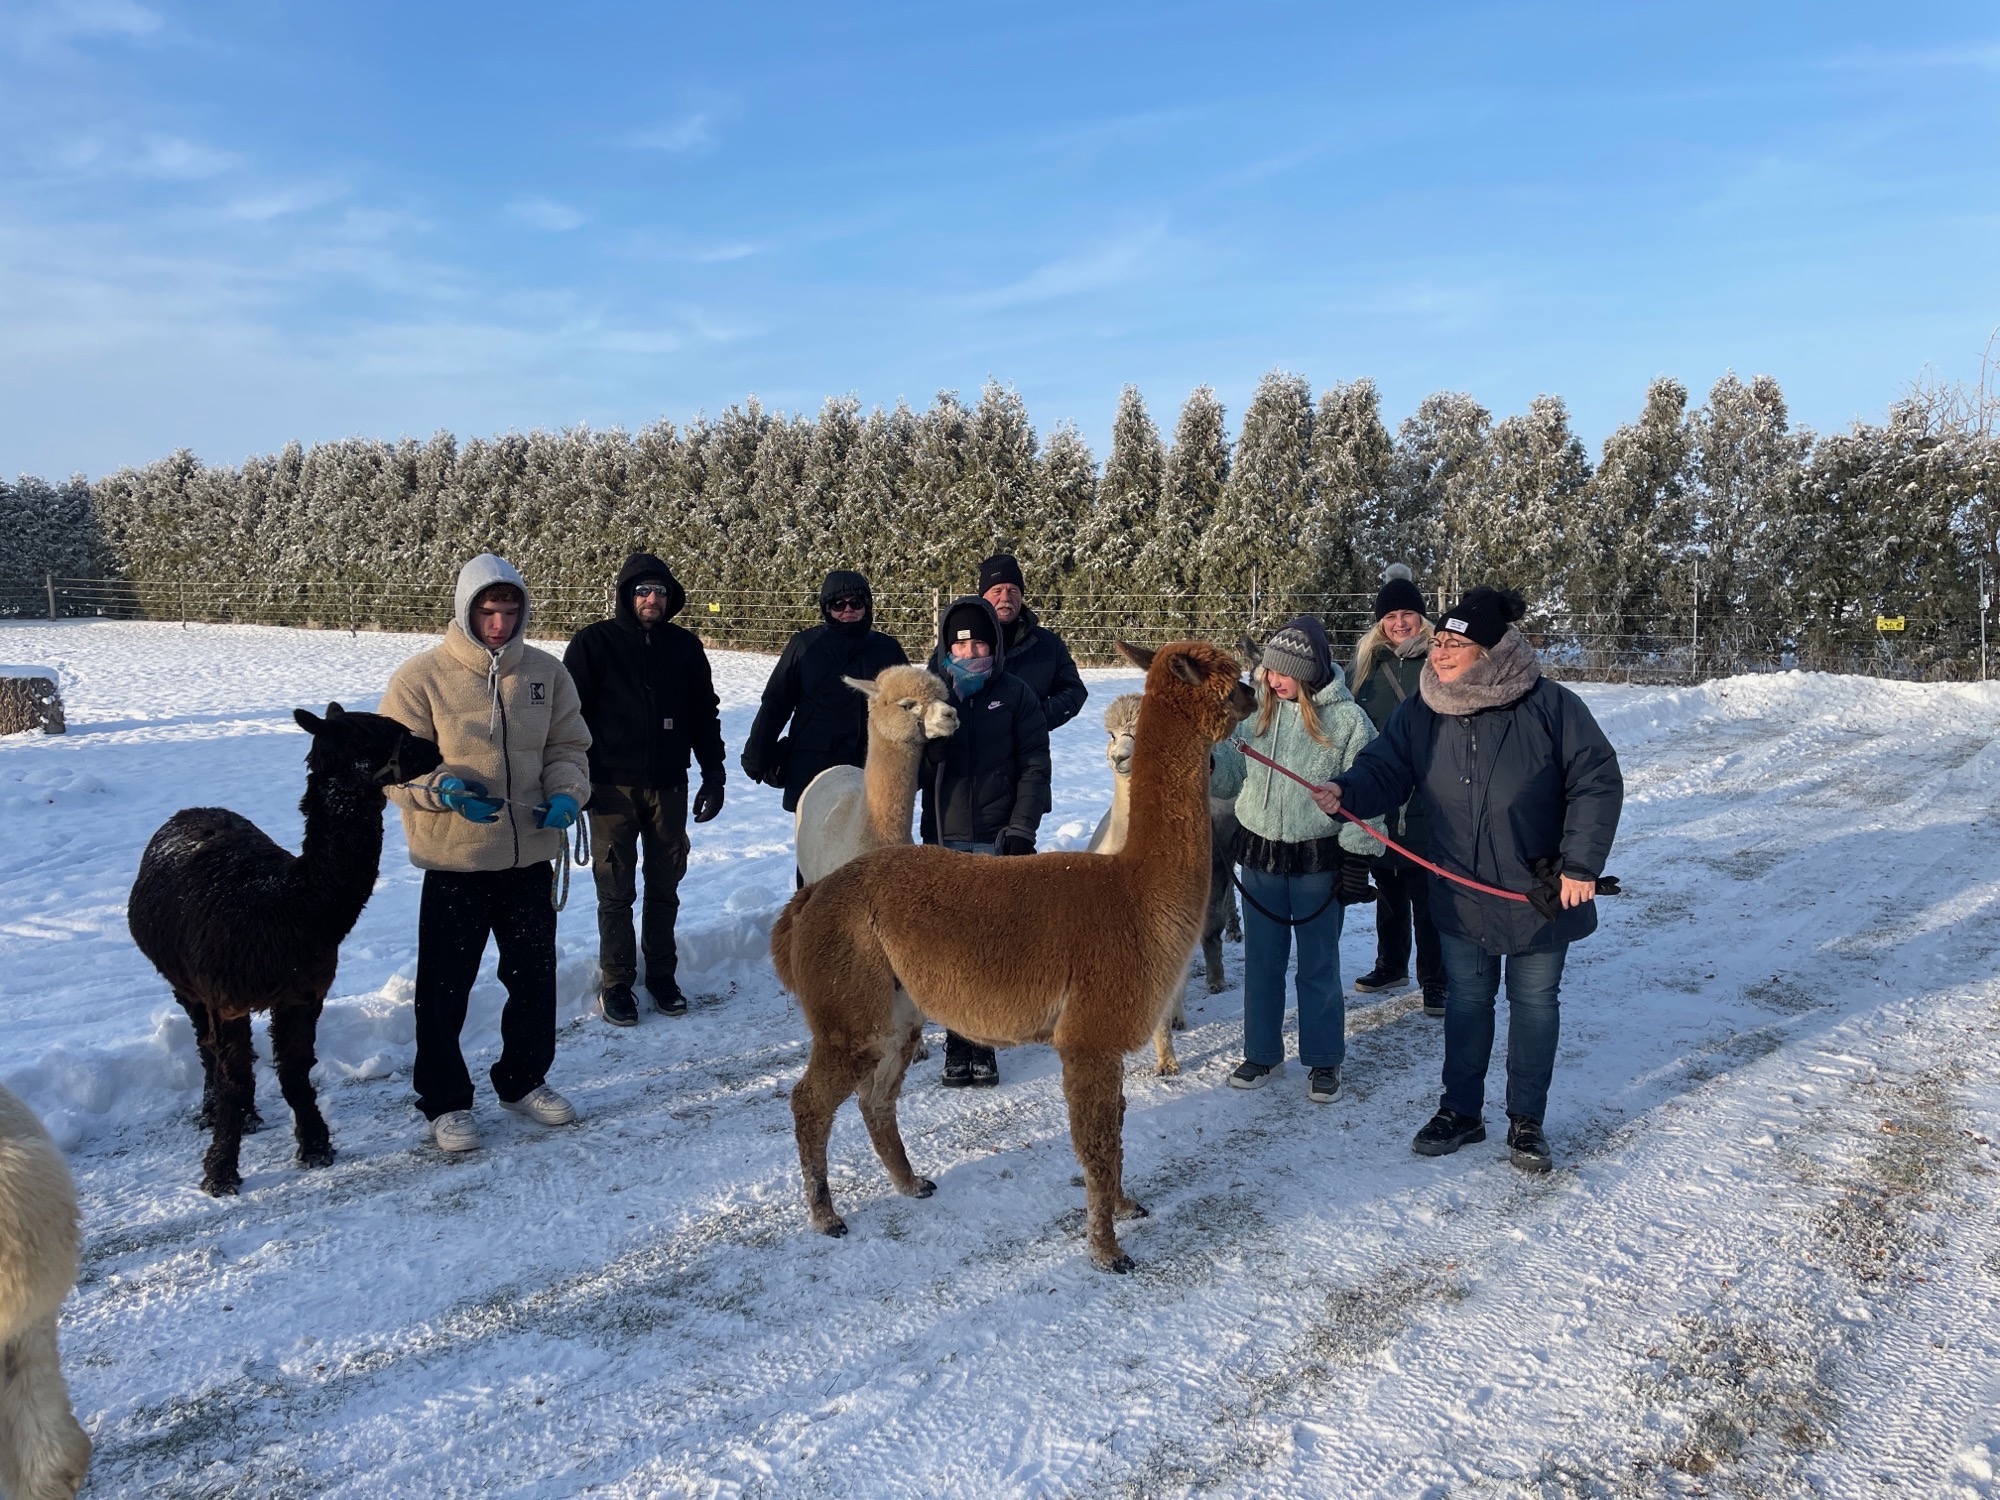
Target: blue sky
225, 225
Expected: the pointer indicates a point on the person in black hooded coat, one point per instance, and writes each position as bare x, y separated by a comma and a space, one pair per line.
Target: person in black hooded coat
828, 719
1035, 653
988, 784
649, 699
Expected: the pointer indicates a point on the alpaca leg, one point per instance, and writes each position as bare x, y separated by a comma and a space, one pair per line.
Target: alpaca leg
293, 1028
1165, 1064
1211, 953
1093, 1084
233, 1064
880, 1088
830, 1076
204, 1043
43, 1452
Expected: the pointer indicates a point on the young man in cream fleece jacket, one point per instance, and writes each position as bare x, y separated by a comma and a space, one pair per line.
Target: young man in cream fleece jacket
484, 828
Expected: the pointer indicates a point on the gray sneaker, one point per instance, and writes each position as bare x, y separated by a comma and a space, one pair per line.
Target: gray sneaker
1323, 1085
1249, 1075
455, 1130
544, 1106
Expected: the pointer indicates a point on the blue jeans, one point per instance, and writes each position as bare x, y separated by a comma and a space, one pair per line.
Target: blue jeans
1534, 1021
1267, 951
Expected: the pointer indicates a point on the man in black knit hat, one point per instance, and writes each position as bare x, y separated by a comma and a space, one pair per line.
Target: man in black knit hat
1035, 653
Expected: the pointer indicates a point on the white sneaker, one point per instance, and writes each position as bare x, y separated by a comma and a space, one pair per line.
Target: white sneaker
544, 1106
455, 1130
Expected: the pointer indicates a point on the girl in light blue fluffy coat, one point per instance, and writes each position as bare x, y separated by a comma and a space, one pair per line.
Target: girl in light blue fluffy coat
1300, 867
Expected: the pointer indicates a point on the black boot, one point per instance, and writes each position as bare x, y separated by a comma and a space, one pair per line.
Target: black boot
1527, 1146
1434, 1000
619, 1008
667, 997
1447, 1131
985, 1067
958, 1055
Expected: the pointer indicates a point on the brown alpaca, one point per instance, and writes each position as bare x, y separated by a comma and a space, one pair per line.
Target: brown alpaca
848, 810
1098, 946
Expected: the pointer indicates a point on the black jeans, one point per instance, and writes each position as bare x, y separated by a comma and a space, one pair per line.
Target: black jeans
1405, 903
627, 822
458, 910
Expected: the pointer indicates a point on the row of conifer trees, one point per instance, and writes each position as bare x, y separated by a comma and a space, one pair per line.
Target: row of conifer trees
1719, 528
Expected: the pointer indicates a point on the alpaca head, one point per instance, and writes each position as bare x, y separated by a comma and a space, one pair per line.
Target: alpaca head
1121, 722
364, 749
907, 705
1197, 682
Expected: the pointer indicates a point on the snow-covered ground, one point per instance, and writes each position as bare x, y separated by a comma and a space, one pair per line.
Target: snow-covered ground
1767, 1262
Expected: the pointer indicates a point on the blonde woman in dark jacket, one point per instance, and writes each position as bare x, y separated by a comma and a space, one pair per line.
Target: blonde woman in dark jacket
1388, 664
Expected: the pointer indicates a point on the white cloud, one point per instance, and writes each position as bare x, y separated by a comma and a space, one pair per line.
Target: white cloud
545, 214
280, 203
180, 160
37, 28
693, 133
1108, 265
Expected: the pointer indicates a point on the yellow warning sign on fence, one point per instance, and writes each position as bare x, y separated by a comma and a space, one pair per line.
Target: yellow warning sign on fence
716, 609
1888, 622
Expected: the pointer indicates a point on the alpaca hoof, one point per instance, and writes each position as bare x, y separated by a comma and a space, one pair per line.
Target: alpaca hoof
923, 1187
833, 1228
1130, 1209
252, 1121
320, 1156
1180, 1022
1171, 1068
1121, 1265
1215, 987
222, 1187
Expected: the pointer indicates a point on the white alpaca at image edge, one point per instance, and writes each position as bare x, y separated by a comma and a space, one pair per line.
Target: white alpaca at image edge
43, 1452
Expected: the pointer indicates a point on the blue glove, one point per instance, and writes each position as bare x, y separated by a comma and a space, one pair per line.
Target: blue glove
558, 812
468, 799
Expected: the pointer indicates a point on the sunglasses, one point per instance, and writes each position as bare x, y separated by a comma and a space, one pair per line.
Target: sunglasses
649, 591
847, 602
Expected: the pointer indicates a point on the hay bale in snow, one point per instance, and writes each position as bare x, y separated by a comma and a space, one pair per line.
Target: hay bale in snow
29, 700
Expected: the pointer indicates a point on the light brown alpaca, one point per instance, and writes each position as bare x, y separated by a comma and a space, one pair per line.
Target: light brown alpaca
1097, 946
848, 810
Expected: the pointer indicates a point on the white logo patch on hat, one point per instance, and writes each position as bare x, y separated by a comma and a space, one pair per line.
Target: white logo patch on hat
964, 635
1454, 623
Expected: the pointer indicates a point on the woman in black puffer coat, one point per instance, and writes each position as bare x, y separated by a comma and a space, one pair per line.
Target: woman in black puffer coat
829, 720
1522, 792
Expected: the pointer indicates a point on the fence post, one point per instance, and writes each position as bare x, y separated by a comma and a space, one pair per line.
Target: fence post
184, 601
1694, 653
1253, 598
49, 583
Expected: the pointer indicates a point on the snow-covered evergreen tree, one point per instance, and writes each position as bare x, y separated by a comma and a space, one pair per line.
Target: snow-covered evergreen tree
1262, 531
1747, 467
1168, 566
1441, 448
1629, 580
1065, 491
1128, 501
1351, 455
1508, 522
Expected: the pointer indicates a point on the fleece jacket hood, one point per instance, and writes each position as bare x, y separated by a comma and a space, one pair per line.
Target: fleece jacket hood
478, 575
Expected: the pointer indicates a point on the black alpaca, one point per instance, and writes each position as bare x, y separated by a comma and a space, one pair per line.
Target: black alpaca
237, 924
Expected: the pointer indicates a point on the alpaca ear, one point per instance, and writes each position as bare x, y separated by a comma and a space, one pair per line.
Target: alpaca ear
1250, 651
307, 720
862, 686
1188, 669
1139, 656
335, 711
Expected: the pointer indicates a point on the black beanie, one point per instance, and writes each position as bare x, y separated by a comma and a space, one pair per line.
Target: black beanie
1484, 614
1000, 568
969, 621
1399, 591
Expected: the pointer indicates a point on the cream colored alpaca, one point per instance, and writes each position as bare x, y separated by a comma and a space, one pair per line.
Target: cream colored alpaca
1096, 948
1121, 724
43, 1452
847, 810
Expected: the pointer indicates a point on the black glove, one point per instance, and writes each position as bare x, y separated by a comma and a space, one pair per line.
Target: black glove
707, 800
768, 772
934, 751
1016, 843
1546, 895
1354, 887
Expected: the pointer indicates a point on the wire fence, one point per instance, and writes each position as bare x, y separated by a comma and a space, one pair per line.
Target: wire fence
1687, 642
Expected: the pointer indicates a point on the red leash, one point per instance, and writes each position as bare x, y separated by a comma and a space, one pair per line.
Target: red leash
1417, 859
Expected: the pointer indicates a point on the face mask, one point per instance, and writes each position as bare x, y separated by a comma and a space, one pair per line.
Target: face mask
969, 674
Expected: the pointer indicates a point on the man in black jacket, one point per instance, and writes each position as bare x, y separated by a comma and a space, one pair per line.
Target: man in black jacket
1035, 653
650, 702
829, 720
989, 786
